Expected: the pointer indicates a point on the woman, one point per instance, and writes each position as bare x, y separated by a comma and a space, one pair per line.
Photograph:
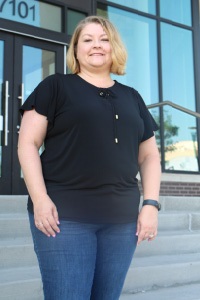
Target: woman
83, 190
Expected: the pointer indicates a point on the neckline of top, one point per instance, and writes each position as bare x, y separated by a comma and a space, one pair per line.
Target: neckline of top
96, 87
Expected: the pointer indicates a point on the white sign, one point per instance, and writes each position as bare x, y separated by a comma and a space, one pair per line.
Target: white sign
21, 11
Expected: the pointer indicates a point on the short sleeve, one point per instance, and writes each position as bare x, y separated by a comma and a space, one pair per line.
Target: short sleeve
43, 98
149, 123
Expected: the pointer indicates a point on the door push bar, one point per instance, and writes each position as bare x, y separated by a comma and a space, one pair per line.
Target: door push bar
21, 98
6, 131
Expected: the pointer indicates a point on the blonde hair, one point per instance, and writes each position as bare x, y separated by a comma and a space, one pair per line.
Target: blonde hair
119, 54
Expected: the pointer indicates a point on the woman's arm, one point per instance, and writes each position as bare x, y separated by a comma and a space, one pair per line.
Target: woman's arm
31, 136
150, 172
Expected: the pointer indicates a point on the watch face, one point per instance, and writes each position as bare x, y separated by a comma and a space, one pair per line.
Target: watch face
159, 206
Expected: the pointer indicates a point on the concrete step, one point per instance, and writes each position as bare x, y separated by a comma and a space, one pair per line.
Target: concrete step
172, 259
13, 204
177, 212
17, 253
168, 243
178, 204
20, 284
179, 221
183, 292
147, 273
17, 223
195, 221
14, 225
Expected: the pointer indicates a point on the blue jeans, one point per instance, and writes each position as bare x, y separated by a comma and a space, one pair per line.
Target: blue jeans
84, 261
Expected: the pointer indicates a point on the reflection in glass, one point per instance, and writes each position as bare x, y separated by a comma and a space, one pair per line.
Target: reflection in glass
156, 115
181, 148
73, 18
141, 43
178, 87
178, 11
1, 99
35, 70
148, 6
50, 17
177, 65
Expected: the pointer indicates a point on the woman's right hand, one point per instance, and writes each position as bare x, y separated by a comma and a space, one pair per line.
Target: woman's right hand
46, 216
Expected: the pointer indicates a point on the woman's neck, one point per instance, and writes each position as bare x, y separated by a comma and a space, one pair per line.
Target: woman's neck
102, 80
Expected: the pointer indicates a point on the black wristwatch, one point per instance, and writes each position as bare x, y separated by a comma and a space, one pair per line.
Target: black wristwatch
153, 203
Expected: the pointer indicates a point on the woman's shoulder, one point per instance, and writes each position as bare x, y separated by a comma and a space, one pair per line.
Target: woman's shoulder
57, 77
128, 88
56, 82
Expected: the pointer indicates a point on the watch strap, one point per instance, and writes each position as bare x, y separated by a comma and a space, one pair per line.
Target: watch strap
153, 203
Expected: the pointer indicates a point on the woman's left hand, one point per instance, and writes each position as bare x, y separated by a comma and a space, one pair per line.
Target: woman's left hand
147, 224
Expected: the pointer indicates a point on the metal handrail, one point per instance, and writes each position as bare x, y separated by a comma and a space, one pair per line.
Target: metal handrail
176, 106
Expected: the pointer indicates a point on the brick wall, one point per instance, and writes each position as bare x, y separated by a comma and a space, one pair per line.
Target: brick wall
176, 188
180, 188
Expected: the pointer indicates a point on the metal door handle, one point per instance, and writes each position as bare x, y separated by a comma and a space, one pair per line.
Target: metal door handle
22, 94
21, 98
18, 128
6, 131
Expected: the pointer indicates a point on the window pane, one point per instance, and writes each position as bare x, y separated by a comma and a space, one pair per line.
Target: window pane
50, 17
156, 115
178, 11
177, 65
34, 71
1, 72
178, 87
73, 18
180, 138
1, 100
33, 13
141, 44
148, 6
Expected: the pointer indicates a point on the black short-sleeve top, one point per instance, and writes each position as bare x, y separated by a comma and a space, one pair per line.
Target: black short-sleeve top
90, 161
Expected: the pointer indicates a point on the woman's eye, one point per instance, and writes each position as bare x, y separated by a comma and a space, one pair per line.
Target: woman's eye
105, 40
87, 40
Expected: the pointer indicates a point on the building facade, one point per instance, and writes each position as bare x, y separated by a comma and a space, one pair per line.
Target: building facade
162, 38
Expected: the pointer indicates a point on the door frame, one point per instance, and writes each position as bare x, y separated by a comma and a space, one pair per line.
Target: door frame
11, 181
6, 154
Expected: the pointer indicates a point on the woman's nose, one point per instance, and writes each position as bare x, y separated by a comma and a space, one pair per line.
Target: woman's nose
97, 44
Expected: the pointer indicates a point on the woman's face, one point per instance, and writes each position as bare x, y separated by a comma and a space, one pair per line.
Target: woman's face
94, 49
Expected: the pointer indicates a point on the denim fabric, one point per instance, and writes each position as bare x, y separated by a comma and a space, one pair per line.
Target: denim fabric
84, 261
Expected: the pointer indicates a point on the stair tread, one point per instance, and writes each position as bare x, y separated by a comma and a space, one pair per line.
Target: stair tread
177, 212
181, 292
10, 242
162, 234
178, 232
158, 269
32, 272
13, 216
19, 274
161, 213
162, 260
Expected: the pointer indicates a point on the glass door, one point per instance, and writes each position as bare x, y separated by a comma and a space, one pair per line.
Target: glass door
32, 61
6, 60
